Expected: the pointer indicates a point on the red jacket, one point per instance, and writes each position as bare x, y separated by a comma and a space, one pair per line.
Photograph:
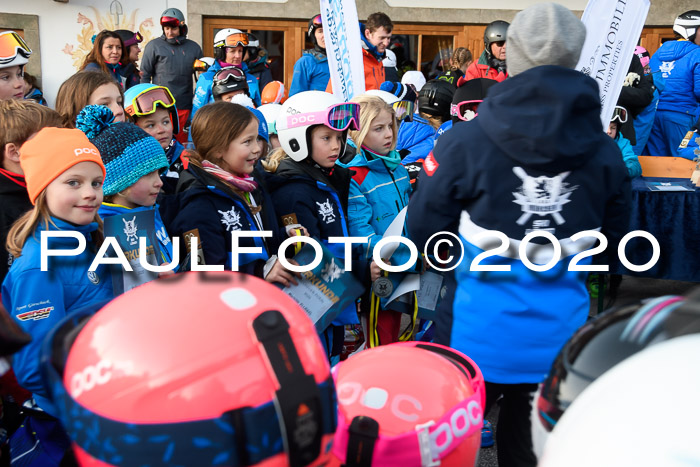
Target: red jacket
479, 70
374, 72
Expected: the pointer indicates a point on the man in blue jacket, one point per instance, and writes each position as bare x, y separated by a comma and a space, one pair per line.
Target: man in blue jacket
229, 50
679, 103
311, 71
535, 161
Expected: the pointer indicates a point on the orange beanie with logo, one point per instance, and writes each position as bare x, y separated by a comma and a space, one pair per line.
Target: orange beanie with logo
50, 153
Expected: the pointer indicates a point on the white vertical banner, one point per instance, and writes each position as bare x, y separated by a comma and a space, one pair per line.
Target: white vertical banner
613, 28
341, 30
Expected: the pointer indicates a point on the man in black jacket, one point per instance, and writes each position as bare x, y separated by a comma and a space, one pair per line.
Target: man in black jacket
168, 60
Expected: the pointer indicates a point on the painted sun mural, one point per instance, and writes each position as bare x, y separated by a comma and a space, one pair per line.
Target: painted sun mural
91, 27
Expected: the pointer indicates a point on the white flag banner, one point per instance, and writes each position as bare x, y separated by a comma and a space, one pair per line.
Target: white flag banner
341, 31
613, 28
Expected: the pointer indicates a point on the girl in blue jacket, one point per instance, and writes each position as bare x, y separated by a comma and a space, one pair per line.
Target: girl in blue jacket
308, 188
379, 190
133, 161
64, 175
217, 195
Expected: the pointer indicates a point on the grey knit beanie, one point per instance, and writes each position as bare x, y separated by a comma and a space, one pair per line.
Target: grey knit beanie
544, 34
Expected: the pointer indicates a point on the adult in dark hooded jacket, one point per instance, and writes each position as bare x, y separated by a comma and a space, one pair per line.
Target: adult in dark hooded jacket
523, 167
167, 61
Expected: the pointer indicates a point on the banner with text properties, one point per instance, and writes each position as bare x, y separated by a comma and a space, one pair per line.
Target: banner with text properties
613, 28
341, 31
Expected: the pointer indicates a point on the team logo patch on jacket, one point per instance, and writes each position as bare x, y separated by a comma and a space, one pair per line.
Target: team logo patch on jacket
430, 165
326, 210
542, 195
35, 315
231, 219
130, 230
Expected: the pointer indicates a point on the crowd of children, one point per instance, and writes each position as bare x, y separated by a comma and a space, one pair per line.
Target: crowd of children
308, 165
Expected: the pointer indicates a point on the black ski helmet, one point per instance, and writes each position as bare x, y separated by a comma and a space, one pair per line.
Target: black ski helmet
495, 32
435, 98
605, 341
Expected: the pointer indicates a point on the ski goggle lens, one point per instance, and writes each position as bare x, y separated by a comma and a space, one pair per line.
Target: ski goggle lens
10, 45
200, 65
234, 40
170, 22
619, 114
146, 102
404, 110
464, 109
342, 116
224, 75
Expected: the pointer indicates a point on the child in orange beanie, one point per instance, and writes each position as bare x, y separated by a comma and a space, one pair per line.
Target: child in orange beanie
64, 175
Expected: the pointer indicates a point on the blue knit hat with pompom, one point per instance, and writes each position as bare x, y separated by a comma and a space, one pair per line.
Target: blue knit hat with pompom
127, 151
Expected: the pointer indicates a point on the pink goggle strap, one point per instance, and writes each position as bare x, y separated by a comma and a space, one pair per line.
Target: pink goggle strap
428, 444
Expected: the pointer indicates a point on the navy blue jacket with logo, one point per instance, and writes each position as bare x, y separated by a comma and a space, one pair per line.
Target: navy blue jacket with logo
303, 194
38, 299
211, 210
536, 159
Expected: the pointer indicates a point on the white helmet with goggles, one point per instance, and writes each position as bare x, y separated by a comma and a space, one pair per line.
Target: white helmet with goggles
13, 50
307, 109
230, 37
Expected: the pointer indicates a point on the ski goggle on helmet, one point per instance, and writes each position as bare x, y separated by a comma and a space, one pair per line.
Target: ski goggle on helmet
229, 74
205, 369
338, 117
146, 101
408, 404
619, 114
314, 23
13, 49
233, 40
465, 110
404, 110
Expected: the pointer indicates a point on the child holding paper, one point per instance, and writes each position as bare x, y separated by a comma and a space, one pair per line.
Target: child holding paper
308, 187
133, 162
379, 190
64, 175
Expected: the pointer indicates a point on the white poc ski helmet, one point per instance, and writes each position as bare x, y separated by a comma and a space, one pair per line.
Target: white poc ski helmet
298, 110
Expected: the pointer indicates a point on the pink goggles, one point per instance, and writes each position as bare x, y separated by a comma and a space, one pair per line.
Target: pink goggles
338, 117
430, 442
465, 109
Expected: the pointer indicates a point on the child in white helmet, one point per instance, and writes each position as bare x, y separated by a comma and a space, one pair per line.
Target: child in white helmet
308, 187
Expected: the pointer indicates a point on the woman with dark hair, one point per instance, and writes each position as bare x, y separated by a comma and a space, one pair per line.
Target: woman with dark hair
129, 70
107, 54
